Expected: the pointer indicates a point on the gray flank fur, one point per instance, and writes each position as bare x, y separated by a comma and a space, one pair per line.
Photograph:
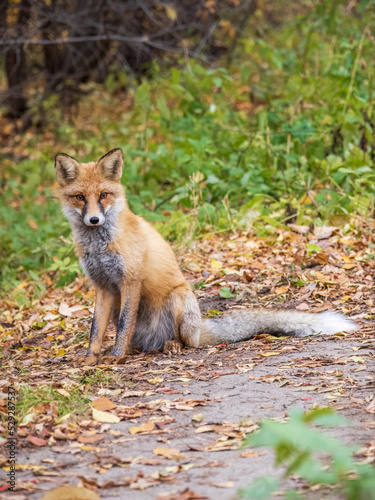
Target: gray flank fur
243, 325
153, 327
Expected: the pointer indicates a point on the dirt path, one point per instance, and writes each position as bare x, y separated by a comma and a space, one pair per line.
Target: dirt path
181, 418
230, 388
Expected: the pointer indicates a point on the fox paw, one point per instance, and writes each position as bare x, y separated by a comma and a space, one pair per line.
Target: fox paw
113, 360
87, 360
172, 347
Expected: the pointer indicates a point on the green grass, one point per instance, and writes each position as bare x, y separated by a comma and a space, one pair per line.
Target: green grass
97, 377
29, 396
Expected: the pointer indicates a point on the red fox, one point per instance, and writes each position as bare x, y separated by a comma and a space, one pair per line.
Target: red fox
137, 280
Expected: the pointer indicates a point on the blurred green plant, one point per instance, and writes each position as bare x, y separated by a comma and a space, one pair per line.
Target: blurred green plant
296, 444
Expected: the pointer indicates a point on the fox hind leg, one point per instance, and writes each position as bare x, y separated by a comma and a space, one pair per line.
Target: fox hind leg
190, 321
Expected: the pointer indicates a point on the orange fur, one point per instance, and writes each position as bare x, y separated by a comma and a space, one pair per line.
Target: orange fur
151, 277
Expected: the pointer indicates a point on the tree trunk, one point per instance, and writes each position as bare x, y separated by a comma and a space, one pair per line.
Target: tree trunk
15, 60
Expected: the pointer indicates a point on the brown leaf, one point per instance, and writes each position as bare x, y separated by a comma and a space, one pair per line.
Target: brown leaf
71, 493
170, 453
63, 392
184, 495
281, 289
251, 454
303, 307
93, 438
103, 404
143, 428
36, 441
371, 407
299, 229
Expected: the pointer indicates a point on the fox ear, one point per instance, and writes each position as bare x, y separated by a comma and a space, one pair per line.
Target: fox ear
66, 169
111, 165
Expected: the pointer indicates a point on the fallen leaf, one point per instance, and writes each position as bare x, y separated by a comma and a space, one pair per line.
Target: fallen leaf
93, 438
102, 416
228, 484
103, 404
197, 417
184, 495
63, 392
71, 493
170, 453
252, 454
303, 307
64, 309
357, 359
299, 229
349, 266
36, 441
371, 407
156, 380
216, 264
147, 427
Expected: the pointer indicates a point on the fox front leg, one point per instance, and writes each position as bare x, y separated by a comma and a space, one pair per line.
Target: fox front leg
104, 302
130, 296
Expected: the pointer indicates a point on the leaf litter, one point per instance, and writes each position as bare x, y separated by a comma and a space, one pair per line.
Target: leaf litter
69, 409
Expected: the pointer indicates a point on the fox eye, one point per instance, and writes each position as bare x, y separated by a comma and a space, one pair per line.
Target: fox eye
80, 197
103, 195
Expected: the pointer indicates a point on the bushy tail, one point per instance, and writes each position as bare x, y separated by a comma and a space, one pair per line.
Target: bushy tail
242, 325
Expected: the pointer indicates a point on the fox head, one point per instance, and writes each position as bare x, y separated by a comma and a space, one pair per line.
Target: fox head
90, 192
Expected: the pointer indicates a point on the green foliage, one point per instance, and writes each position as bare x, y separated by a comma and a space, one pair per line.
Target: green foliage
225, 292
286, 131
296, 444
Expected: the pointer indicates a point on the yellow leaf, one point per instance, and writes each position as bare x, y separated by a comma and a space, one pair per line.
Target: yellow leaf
102, 416
103, 404
345, 298
170, 453
149, 426
61, 352
346, 259
171, 12
269, 353
156, 380
71, 493
216, 264
307, 199
198, 417
348, 266
357, 359
22, 285
323, 279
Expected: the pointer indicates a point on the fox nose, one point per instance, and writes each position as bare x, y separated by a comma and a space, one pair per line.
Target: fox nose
94, 220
